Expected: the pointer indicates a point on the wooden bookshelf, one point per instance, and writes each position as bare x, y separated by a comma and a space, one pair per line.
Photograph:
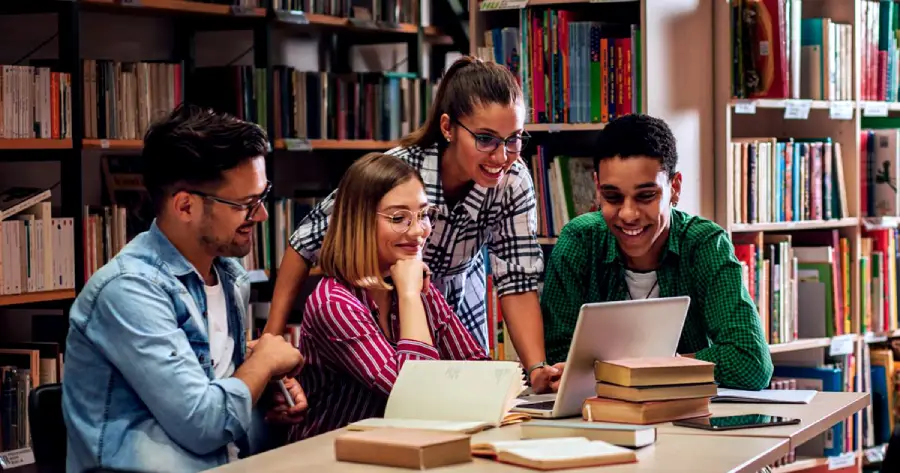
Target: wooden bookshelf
177, 6
93, 143
561, 127
31, 297
300, 19
372, 145
794, 226
838, 111
34, 143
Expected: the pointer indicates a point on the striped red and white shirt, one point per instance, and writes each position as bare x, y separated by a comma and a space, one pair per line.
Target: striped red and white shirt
351, 364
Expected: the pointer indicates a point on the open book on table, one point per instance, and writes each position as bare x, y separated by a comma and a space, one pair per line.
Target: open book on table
458, 396
555, 453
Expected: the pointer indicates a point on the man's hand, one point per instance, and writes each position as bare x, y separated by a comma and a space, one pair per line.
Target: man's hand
547, 379
281, 412
279, 356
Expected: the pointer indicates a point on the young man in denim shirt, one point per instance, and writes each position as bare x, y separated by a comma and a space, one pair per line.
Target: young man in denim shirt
160, 377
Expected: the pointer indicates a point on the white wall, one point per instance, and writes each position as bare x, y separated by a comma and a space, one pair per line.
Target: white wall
679, 88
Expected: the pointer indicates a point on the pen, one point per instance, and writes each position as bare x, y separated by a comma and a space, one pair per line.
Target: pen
284, 391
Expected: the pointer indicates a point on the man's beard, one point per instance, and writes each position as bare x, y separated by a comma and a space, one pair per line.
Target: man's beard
220, 247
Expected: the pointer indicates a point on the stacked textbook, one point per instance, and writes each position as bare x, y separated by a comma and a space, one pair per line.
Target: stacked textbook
651, 390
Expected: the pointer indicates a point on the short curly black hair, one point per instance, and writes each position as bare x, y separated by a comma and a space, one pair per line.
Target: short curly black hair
638, 135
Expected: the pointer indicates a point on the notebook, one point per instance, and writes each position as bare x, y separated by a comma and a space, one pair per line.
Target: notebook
766, 396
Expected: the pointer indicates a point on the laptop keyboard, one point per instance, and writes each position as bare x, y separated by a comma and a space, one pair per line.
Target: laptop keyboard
541, 405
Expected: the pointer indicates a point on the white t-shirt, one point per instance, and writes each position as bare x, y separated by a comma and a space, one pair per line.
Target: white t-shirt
642, 285
221, 343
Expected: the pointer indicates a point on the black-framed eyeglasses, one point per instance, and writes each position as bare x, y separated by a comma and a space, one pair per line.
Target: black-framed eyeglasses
251, 207
402, 219
487, 143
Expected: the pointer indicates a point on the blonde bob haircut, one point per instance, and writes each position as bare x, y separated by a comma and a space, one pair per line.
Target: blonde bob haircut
350, 251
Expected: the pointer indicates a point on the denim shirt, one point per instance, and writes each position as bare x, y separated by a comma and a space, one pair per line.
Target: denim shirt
140, 392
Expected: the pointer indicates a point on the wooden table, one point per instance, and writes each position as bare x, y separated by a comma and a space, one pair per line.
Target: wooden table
824, 411
670, 453
677, 449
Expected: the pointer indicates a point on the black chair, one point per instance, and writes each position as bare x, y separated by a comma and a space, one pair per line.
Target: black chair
48, 430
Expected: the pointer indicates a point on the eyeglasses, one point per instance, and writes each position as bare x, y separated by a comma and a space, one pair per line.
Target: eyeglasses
487, 143
251, 207
402, 219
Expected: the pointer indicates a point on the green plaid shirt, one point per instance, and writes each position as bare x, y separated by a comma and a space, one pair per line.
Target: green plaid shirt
722, 324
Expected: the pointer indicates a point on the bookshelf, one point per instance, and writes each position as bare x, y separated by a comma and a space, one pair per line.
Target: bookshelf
835, 111
81, 140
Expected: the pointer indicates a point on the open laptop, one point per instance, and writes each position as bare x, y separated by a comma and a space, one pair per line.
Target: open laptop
609, 331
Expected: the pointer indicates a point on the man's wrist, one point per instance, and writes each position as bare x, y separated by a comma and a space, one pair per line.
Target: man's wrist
534, 367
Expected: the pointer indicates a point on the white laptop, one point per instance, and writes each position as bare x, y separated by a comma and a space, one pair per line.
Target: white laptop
609, 331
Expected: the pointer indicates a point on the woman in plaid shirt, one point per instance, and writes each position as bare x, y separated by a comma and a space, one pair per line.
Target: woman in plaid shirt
467, 153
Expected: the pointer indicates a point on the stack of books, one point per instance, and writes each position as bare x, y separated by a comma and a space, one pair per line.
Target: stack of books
651, 390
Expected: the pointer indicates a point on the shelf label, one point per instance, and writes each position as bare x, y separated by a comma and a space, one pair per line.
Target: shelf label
555, 128
842, 110
490, 5
842, 461
130, 3
104, 144
745, 107
797, 109
16, 458
875, 109
841, 345
297, 144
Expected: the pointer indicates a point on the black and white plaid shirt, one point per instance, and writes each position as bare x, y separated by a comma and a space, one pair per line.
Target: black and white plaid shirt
503, 218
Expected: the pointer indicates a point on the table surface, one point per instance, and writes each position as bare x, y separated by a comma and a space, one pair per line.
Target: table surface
670, 453
825, 410
677, 449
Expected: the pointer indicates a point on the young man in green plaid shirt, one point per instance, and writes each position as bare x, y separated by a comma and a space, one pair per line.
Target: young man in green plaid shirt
637, 246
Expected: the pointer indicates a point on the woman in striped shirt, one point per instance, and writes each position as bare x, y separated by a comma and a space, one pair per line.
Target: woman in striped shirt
468, 154
376, 307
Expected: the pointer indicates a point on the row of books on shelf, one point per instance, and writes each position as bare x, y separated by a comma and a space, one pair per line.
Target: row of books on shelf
23, 367
780, 51
36, 252
787, 179
563, 188
386, 11
123, 98
879, 161
879, 54
882, 380
571, 71
800, 283
287, 214
360, 105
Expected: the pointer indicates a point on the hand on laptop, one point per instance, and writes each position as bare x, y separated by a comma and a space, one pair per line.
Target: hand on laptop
547, 379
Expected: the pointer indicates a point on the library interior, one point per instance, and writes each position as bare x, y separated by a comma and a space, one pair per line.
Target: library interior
578, 243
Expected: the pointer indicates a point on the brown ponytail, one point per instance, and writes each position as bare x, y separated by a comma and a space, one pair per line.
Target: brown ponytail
467, 82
